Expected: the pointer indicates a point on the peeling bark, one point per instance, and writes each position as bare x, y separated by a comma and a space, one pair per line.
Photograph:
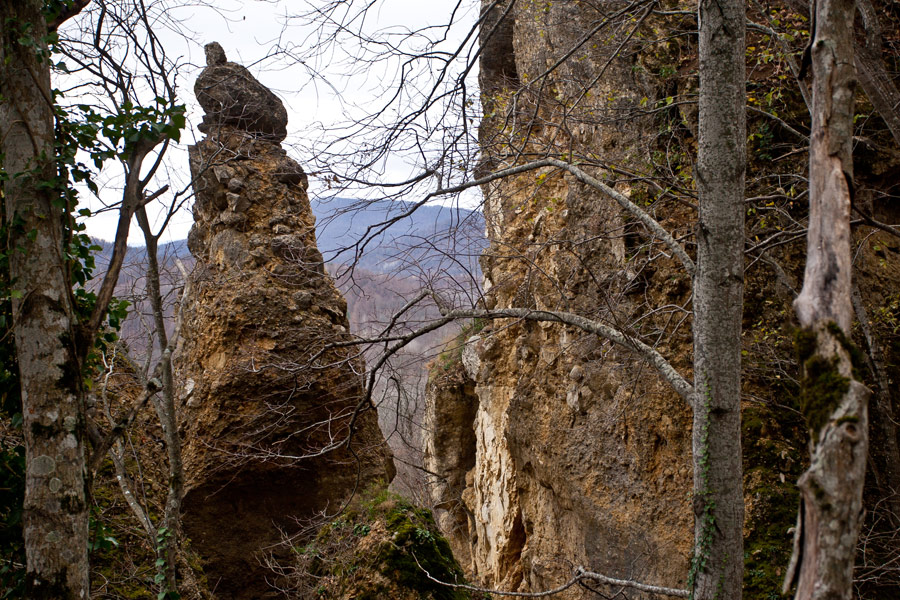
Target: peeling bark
833, 402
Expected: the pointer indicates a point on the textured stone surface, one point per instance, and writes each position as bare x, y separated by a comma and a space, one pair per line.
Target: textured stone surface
230, 95
265, 396
581, 454
449, 451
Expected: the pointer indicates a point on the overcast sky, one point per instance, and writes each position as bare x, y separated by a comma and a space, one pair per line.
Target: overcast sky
248, 31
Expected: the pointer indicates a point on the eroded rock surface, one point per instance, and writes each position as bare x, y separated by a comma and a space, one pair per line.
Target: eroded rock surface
230, 95
578, 454
265, 402
449, 448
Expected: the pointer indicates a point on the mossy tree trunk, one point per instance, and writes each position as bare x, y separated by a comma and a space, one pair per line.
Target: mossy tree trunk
55, 517
833, 401
717, 564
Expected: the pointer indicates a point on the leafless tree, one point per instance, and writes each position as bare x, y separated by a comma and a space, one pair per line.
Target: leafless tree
831, 504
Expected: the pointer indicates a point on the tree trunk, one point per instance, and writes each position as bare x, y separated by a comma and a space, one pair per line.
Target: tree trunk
168, 417
55, 518
717, 565
833, 402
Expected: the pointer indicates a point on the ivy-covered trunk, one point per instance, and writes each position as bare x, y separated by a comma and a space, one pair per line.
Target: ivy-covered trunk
55, 517
834, 402
717, 564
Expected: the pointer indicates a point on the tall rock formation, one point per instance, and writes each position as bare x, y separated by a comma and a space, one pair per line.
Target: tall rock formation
579, 454
276, 428
553, 448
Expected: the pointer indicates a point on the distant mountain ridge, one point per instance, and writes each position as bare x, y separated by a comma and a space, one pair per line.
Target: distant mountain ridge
432, 237
430, 247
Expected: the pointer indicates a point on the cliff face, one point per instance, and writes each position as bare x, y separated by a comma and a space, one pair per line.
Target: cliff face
578, 453
268, 408
552, 448
449, 452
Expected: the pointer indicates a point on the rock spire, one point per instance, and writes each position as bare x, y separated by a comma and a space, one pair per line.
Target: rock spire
268, 408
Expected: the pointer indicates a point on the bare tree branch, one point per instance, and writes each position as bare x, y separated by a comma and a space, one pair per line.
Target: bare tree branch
581, 574
662, 366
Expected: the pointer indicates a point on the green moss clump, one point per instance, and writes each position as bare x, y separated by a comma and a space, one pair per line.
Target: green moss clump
393, 563
821, 392
823, 386
415, 546
857, 358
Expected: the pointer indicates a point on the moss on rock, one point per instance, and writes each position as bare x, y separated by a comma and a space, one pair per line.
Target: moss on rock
381, 547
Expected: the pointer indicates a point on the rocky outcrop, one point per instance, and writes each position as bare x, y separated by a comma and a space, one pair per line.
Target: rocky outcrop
556, 460
276, 429
382, 548
579, 453
570, 451
449, 451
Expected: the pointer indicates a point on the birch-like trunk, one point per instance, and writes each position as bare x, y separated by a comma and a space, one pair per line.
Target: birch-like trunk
833, 402
717, 565
55, 517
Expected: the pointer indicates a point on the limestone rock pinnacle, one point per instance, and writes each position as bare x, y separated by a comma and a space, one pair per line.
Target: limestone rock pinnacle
265, 401
215, 54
